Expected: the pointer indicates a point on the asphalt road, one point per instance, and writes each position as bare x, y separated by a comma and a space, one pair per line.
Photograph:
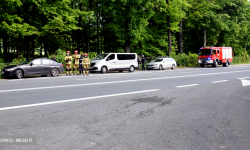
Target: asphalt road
183, 109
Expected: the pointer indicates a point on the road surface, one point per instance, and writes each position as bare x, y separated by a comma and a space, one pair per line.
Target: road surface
183, 109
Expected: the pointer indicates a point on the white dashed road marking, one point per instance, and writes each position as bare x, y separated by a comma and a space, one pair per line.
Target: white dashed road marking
219, 81
187, 85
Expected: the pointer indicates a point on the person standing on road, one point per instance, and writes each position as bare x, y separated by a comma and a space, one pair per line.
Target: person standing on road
68, 60
80, 64
76, 63
143, 62
86, 64
53, 57
139, 62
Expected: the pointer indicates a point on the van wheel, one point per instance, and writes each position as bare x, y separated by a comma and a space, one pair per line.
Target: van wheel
160, 67
19, 74
131, 69
173, 67
104, 69
202, 65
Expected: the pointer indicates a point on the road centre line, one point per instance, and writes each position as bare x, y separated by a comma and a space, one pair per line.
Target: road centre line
124, 81
75, 100
186, 85
219, 81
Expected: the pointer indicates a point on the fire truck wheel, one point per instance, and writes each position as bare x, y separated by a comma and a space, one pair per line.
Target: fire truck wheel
202, 65
216, 64
225, 64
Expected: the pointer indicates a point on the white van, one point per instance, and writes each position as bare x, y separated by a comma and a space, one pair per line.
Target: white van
114, 61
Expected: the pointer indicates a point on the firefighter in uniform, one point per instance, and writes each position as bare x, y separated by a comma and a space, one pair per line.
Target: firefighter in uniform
68, 60
76, 63
86, 64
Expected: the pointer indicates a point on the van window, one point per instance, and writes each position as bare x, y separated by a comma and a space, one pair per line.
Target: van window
111, 57
121, 56
130, 56
218, 51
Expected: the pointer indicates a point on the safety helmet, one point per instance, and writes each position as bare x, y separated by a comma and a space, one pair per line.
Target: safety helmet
76, 51
85, 54
68, 52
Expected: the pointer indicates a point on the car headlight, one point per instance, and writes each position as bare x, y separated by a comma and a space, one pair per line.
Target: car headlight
8, 69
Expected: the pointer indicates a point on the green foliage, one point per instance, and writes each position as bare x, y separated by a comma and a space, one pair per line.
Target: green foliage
183, 60
92, 55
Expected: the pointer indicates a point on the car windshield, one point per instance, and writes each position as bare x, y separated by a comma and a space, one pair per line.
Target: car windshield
100, 56
205, 52
157, 60
26, 61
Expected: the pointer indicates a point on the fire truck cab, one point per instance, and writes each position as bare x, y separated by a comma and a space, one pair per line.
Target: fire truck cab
215, 56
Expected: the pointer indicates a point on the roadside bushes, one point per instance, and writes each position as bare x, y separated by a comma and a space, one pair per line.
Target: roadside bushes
241, 60
184, 60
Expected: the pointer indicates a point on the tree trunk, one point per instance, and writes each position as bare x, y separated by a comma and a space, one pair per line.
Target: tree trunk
33, 47
246, 46
127, 45
45, 42
5, 46
79, 37
205, 37
97, 25
27, 40
180, 44
169, 33
18, 47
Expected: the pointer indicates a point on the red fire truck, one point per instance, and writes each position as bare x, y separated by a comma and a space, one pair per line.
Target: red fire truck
215, 56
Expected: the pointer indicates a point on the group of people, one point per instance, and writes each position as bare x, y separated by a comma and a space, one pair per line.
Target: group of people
141, 61
80, 64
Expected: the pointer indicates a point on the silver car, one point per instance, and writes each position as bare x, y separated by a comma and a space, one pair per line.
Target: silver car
162, 63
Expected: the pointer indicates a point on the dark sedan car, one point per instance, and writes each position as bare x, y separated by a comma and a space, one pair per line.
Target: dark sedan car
39, 66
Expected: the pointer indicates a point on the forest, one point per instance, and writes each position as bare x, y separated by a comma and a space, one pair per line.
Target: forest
38, 28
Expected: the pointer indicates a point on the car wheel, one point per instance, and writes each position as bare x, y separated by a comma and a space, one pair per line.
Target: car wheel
104, 69
173, 66
19, 74
202, 65
54, 72
131, 69
160, 67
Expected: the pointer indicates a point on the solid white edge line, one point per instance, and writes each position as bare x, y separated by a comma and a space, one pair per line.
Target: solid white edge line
186, 85
126, 81
74, 100
219, 81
